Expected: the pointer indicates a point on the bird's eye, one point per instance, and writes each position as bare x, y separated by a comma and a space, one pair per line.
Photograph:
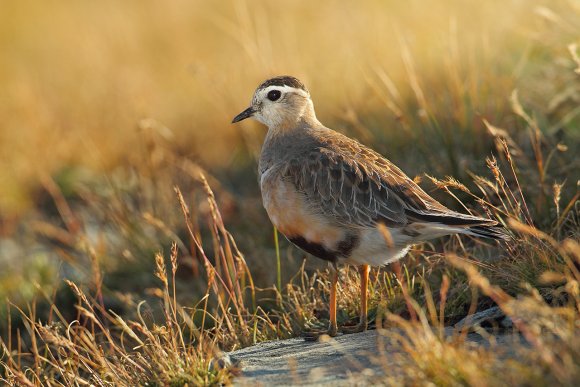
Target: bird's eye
274, 95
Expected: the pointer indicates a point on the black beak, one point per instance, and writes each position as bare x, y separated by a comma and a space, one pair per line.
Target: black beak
243, 115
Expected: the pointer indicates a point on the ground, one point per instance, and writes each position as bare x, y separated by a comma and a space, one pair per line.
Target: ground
362, 359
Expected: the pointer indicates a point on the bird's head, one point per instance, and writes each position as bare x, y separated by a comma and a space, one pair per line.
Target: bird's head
278, 102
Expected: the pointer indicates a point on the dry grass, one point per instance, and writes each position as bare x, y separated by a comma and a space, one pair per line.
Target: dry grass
100, 347
74, 95
156, 286
174, 344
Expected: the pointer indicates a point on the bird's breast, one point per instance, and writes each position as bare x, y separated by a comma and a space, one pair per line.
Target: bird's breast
294, 217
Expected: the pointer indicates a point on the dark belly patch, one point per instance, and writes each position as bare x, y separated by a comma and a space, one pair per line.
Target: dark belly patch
344, 247
315, 249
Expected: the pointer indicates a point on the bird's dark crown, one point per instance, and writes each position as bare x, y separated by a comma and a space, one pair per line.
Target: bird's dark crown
284, 80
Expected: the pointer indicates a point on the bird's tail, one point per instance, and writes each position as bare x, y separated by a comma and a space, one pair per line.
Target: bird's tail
486, 231
435, 224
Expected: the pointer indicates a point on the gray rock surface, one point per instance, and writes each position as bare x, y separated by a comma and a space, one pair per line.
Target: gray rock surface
489, 317
357, 359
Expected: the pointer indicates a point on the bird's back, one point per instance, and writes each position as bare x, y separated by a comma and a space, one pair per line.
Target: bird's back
327, 193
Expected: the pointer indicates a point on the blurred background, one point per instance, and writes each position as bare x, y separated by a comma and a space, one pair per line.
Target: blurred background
106, 106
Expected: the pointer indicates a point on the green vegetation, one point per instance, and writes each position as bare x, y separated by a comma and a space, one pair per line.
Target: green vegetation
135, 249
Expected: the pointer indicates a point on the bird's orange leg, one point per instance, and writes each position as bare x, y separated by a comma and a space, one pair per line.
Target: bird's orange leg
333, 327
364, 281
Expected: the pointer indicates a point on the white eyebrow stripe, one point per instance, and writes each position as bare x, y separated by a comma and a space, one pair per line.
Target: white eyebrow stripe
284, 89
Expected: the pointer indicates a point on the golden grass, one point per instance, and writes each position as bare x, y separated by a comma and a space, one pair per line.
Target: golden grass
78, 78
100, 346
184, 347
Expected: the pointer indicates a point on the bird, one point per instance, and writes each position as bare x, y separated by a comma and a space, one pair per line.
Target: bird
334, 197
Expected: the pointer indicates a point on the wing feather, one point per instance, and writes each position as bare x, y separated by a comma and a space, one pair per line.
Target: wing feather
345, 190
356, 186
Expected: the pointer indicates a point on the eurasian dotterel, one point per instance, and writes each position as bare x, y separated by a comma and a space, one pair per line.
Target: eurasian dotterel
328, 193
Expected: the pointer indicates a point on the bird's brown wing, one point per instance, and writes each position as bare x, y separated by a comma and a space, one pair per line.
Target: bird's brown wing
357, 187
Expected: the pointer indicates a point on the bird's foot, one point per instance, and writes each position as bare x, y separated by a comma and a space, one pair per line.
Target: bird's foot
316, 334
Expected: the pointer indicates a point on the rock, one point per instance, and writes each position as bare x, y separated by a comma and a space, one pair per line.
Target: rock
489, 318
357, 359
222, 360
344, 359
